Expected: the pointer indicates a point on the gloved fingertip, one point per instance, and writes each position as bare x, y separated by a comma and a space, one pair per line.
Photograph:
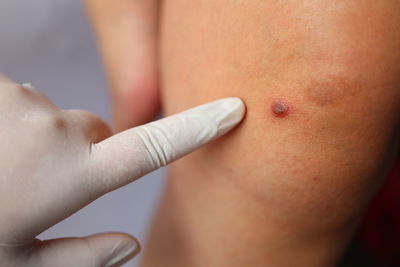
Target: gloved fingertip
123, 252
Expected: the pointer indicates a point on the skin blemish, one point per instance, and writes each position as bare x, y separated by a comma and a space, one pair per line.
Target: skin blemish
321, 96
280, 108
331, 90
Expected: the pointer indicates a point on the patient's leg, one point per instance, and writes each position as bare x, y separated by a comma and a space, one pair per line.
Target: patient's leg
321, 82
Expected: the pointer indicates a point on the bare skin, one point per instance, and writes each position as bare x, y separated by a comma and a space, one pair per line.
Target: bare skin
290, 186
127, 31
280, 191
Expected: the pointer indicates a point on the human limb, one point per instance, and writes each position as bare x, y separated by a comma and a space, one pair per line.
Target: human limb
279, 191
127, 32
54, 162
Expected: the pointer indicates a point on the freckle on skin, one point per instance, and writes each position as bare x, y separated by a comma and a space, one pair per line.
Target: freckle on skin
280, 108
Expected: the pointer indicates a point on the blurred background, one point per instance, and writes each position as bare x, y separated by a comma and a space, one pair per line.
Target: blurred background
49, 43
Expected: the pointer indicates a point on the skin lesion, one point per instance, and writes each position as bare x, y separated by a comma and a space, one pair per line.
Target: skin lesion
280, 108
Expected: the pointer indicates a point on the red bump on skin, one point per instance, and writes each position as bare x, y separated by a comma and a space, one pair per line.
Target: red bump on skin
280, 108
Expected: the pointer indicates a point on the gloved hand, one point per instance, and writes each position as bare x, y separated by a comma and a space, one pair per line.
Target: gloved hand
54, 162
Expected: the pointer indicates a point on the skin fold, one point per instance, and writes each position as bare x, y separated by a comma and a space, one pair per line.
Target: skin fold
127, 32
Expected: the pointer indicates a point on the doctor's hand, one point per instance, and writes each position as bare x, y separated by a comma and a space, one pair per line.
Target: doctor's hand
54, 162
127, 33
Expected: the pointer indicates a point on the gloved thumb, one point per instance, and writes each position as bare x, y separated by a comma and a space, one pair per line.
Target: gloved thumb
110, 249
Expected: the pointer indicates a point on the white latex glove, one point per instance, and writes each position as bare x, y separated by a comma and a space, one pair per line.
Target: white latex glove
54, 162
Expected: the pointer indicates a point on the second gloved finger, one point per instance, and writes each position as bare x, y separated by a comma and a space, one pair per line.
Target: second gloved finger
100, 250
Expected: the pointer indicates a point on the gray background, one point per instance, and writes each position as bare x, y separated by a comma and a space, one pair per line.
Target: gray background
49, 44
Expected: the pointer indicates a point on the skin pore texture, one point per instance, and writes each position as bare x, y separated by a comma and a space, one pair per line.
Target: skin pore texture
278, 192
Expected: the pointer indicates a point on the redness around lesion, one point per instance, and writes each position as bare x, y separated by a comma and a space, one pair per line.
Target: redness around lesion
280, 108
